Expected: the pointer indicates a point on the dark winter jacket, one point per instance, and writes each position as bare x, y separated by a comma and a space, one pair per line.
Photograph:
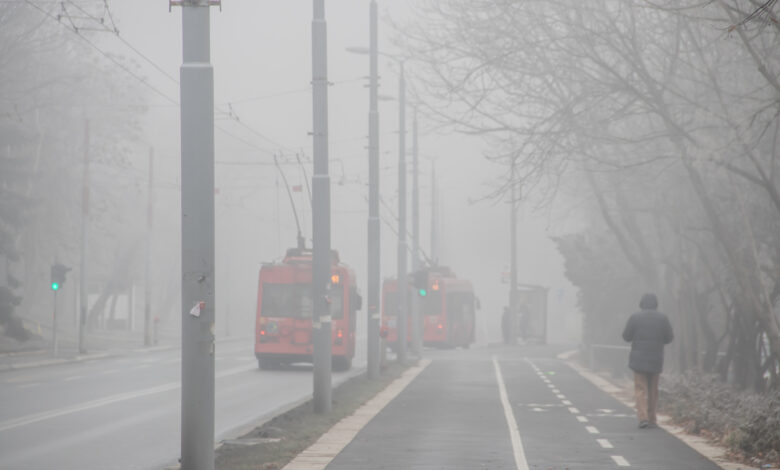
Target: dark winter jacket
648, 331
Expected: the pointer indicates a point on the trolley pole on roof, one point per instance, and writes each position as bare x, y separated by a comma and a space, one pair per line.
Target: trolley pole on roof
402, 281
373, 204
321, 257
197, 237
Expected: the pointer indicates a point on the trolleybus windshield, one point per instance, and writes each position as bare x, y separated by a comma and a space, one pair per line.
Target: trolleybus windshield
294, 301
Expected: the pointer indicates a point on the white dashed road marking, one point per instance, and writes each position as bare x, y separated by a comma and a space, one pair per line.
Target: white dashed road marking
574, 411
604, 443
73, 377
582, 419
620, 461
592, 429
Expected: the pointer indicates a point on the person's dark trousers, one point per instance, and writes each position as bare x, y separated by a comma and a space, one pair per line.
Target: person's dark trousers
646, 396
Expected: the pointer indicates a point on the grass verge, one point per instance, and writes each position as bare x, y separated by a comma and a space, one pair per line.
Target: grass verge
273, 444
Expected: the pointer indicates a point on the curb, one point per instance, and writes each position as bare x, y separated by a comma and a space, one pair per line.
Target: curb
241, 430
701, 445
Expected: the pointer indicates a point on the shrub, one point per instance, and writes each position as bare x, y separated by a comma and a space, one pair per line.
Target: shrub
747, 423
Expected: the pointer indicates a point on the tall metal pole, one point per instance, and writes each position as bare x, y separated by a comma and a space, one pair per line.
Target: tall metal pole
54, 343
434, 213
373, 203
402, 282
415, 198
321, 261
82, 321
148, 271
416, 301
197, 239
513, 257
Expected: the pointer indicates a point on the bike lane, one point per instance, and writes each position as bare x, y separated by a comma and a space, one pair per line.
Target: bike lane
567, 422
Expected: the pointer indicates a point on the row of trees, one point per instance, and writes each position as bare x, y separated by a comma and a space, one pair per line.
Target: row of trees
62, 101
659, 122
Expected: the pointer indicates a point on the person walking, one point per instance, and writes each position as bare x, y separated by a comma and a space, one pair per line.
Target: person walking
648, 331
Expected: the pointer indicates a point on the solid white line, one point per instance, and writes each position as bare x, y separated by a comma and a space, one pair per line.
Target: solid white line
604, 443
37, 417
517, 444
620, 461
582, 419
592, 429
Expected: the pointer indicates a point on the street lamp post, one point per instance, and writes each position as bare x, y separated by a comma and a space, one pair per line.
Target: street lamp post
197, 238
416, 326
374, 261
402, 255
373, 217
321, 257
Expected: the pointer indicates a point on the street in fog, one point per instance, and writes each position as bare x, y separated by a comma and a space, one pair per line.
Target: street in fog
124, 412
212, 210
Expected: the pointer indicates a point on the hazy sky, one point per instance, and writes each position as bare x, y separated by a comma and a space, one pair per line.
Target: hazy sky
261, 53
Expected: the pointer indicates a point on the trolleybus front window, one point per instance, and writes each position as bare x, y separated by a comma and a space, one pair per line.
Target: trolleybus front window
286, 301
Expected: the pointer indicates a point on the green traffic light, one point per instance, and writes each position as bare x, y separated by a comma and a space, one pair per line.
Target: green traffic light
55, 286
423, 292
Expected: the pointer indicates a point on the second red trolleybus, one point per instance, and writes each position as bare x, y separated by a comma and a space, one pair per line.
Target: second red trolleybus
284, 311
447, 309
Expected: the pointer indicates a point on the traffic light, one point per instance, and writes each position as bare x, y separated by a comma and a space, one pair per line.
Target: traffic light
58, 272
420, 282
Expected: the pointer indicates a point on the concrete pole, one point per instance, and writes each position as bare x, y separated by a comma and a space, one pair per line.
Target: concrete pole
374, 258
82, 321
197, 239
416, 301
321, 262
402, 281
513, 257
148, 271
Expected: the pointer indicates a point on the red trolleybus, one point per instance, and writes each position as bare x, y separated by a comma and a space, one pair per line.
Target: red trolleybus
447, 309
284, 311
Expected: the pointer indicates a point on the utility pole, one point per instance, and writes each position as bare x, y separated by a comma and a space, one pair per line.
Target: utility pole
402, 281
416, 325
82, 322
148, 271
373, 202
434, 212
513, 256
321, 257
197, 237
54, 343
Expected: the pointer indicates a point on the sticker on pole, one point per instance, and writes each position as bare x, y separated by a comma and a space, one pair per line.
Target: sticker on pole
195, 312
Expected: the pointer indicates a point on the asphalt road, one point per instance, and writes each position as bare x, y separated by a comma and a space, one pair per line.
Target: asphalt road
124, 412
509, 408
